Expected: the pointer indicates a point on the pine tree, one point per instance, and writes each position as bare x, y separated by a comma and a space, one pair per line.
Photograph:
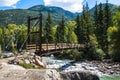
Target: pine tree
100, 27
48, 30
78, 30
95, 18
86, 23
108, 23
60, 32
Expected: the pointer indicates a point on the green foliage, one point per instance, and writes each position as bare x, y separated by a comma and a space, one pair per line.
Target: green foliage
116, 46
108, 23
13, 35
95, 17
115, 38
79, 30
74, 54
93, 51
111, 31
70, 54
100, 27
83, 29
71, 36
48, 30
27, 66
99, 54
102, 21
116, 19
60, 34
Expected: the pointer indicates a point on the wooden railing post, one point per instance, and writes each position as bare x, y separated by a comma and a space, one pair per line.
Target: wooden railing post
47, 47
55, 46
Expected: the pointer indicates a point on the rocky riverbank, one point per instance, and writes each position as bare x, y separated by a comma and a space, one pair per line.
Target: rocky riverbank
105, 68
15, 72
50, 64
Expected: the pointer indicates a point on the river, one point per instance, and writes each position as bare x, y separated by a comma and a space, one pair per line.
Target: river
67, 65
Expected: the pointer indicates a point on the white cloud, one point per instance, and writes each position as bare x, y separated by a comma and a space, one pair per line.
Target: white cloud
10, 3
71, 5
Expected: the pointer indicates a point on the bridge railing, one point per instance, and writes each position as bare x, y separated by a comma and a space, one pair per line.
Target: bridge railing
54, 46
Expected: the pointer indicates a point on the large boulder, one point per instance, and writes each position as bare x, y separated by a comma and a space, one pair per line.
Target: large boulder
78, 75
15, 72
30, 75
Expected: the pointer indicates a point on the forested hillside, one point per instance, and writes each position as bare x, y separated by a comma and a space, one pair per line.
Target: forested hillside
19, 16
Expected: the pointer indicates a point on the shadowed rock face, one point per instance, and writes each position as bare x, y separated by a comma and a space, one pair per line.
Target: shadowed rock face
78, 76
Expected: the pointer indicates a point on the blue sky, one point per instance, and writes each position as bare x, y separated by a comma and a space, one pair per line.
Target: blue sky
71, 5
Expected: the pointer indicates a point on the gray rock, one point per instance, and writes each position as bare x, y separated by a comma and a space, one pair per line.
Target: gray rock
7, 54
27, 61
78, 76
30, 75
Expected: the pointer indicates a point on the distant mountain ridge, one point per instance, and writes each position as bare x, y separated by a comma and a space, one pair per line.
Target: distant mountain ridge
19, 16
112, 7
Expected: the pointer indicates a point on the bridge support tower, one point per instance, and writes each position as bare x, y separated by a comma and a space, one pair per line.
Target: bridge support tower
38, 33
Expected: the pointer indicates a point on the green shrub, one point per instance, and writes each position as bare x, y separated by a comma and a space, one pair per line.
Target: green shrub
70, 54
115, 54
94, 53
100, 54
75, 55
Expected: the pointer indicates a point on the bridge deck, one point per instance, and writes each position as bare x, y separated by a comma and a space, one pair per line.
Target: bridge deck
53, 47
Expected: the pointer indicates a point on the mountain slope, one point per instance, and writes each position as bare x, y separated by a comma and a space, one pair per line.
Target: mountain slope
19, 16
112, 7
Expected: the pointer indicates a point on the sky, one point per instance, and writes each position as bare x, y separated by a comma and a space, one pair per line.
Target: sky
70, 5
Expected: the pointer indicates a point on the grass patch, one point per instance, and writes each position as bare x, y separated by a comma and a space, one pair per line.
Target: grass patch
110, 78
27, 66
30, 66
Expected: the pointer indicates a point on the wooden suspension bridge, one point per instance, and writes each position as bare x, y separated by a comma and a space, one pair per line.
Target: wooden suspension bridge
41, 49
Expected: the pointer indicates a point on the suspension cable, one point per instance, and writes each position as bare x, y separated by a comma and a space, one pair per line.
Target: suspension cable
28, 36
24, 42
12, 38
37, 21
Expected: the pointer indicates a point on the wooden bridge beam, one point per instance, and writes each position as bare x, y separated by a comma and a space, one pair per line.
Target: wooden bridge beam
28, 32
40, 35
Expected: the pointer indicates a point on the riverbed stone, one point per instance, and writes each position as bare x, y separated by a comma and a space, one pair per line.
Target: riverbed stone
27, 61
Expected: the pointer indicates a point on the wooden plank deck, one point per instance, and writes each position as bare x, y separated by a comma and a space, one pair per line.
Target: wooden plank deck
53, 47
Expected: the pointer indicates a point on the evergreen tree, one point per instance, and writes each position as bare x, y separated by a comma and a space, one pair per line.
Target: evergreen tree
95, 18
83, 24
100, 27
86, 24
60, 32
48, 30
78, 30
108, 23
